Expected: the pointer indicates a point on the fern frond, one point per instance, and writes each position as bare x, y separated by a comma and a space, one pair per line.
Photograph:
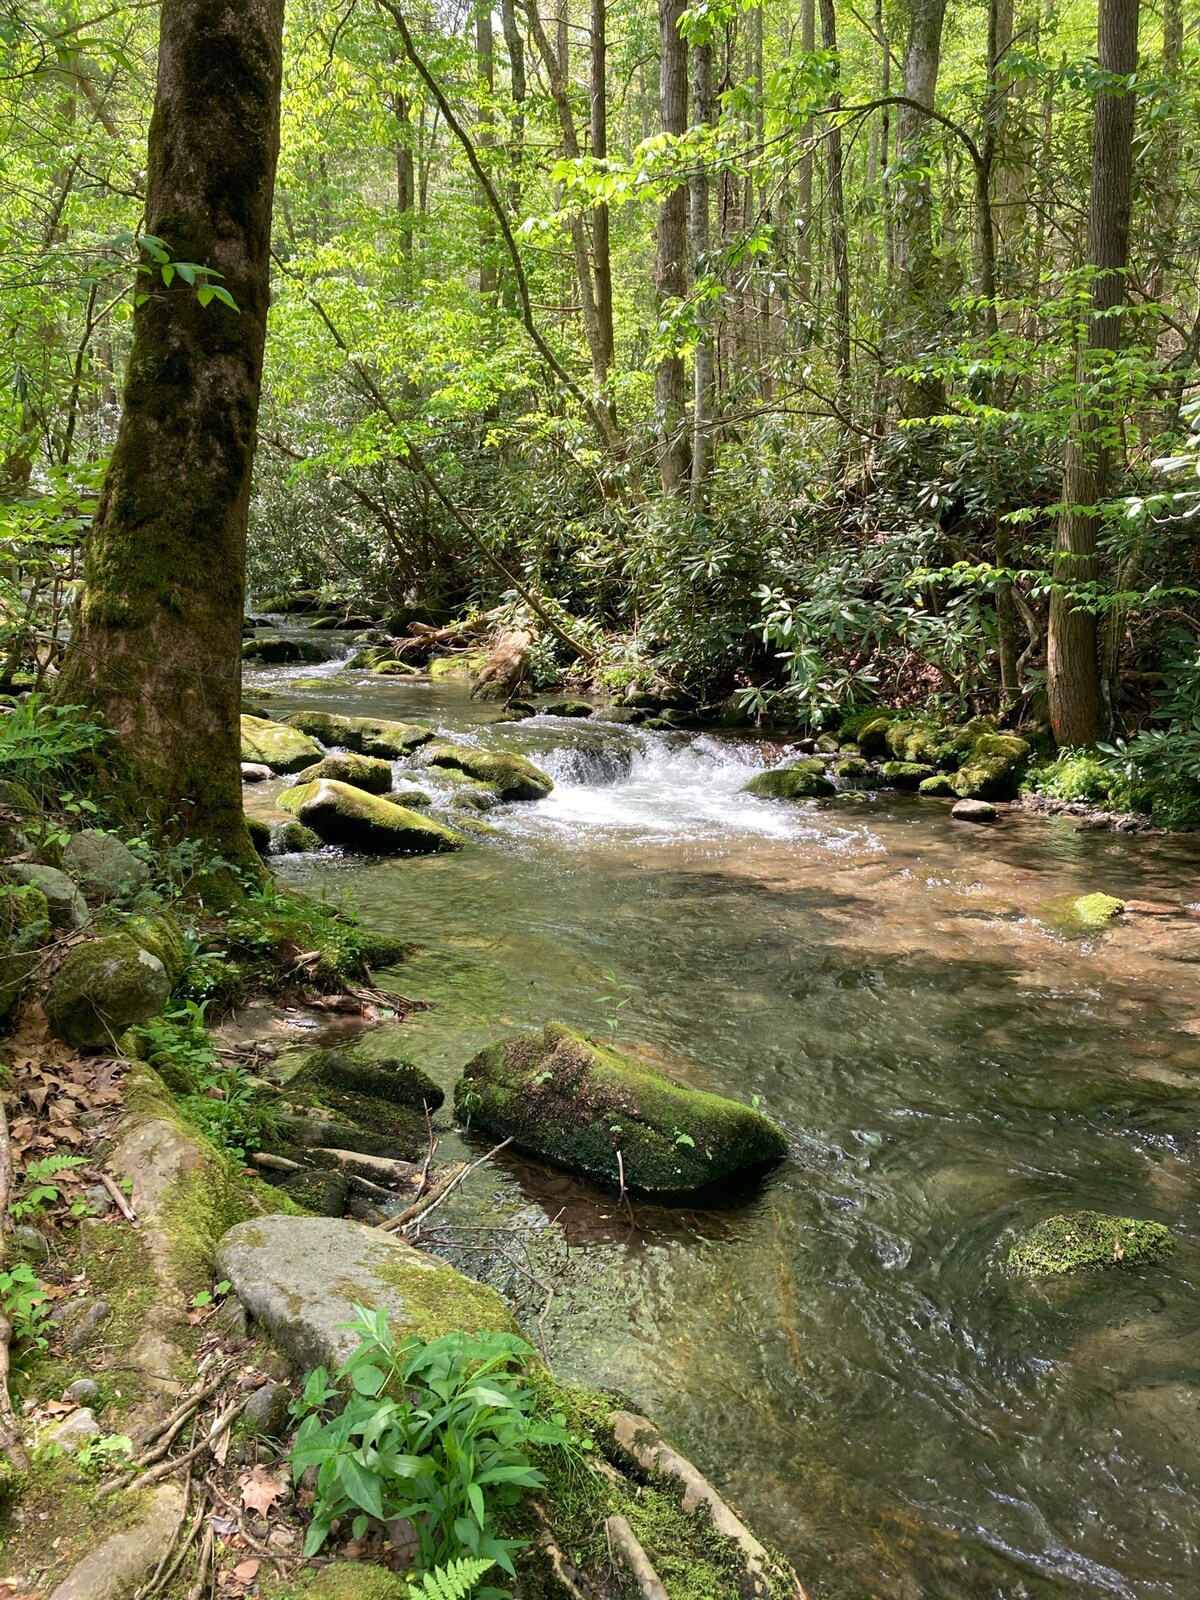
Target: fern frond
454, 1581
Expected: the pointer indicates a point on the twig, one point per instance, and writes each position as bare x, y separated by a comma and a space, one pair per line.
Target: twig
152, 1582
275, 1163
10, 1432
450, 1179
119, 1199
429, 1154
206, 1556
184, 1409
259, 1549
223, 1423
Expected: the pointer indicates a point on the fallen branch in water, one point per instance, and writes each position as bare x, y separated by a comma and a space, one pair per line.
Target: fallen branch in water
446, 1184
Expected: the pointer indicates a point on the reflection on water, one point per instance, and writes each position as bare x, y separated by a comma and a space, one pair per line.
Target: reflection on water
844, 1354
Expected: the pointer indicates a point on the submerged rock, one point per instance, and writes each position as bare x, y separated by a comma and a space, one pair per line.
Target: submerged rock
300, 1278
1084, 1241
104, 987
607, 1116
104, 867
275, 745
342, 814
508, 776
801, 780
364, 772
367, 736
854, 772
940, 785
466, 664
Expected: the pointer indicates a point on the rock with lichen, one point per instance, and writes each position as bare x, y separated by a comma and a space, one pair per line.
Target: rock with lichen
508, 776
1096, 910
605, 1115
365, 736
103, 987
275, 745
340, 814
799, 780
364, 772
1087, 1241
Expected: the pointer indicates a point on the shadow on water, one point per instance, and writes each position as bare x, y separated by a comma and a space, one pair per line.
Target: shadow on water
844, 1353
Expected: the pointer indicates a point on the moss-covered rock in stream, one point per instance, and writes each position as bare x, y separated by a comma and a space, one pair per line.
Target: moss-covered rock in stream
1096, 910
364, 772
273, 649
466, 664
392, 1079
872, 737
992, 770
300, 1278
510, 777
343, 815
260, 834
800, 780
930, 744
854, 771
940, 786
607, 1116
904, 774
1087, 1241
103, 987
293, 838
275, 745
366, 736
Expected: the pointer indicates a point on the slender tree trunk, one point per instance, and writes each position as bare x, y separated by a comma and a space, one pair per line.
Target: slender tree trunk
1073, 668
157, 645
804, 174
405, 177
839, 248
671, 264
918, 290
485, 64
601, 249
515, 46
704, 369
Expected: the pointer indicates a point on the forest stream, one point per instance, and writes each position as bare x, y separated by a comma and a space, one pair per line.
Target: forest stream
844, 1352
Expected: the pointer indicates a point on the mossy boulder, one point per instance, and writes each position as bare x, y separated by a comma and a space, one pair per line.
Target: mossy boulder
104, 987
1096, 910
929, 743
1087, 1241
340, 814
854, 771
940, 785
992, 770
567, 708
851, 727
800, 780
24, 929
67, 907
467, 664
603, 1114
872, 737
275, 745
103, 866
366, 736
364, 772
393, 1080
904, 774
293, 838
274, 650
300, 1278
163, 937
508, 776
260, 834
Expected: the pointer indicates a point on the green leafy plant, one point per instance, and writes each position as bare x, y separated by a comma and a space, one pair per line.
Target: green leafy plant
205, 1297
618, 1000
103, 1450
37, 1192
455, 1581
26, 1306
439, 1433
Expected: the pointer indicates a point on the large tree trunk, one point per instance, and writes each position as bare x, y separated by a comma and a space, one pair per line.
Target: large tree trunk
157, 645
1073, 668
671, 265
916, 266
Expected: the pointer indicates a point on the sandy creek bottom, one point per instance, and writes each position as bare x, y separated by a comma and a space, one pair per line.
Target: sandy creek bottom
843, 1353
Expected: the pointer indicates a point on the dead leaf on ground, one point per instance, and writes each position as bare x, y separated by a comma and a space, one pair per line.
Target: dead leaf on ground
260, 1490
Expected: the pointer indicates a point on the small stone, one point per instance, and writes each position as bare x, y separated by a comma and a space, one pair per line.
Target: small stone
98, 1197
72, 1431
84, 1392
82, 1328
266, 1412
974, 811
67, 907
255, 772
31, 1242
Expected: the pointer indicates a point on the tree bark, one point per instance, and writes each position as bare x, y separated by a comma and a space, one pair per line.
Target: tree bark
601, 249
915, 264
670, 273
704, 361
839, 246
485, 63
804, 171
157, 643
1073, 668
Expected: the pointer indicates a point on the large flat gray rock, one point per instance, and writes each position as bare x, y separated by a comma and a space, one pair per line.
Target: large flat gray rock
300, 1277
118, 1565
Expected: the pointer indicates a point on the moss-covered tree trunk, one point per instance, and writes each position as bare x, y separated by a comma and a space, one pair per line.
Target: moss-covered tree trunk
157, 644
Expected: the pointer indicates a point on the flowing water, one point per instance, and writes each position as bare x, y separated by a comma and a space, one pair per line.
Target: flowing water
843, 1354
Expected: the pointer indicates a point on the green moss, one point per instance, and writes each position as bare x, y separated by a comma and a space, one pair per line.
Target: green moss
941, 784
1097, 910
340, 1580
855, 772
364, 772
24, 929
61, 1518
392, 1080
466, 665
163, 937
275, 745
367, 736
581, 1104
1084, 1241
904, 774
343, 815
510, 777
260, 834
440, 1300
800, 781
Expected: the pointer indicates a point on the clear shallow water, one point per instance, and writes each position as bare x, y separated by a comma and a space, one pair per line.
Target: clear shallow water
843, 1354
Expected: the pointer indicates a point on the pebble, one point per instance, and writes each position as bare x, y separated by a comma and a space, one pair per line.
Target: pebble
266, 1411
82, 1328
84, 1392
31, 1242
98, 1197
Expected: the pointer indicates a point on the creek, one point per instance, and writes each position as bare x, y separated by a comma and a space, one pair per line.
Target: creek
844, 1353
